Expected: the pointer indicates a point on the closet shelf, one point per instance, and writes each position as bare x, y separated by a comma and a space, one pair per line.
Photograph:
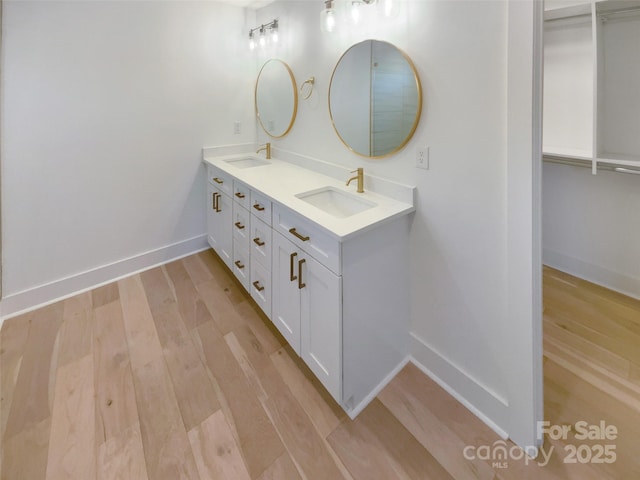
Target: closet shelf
608, 164
567, 12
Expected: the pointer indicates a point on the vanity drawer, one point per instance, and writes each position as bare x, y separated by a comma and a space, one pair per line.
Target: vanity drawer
308, 236
241, 226
260, 287
220, 179
260, 242
241, 194
261, 207
241, 266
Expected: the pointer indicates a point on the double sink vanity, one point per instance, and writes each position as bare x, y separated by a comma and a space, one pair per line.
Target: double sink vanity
324, 252
326, 264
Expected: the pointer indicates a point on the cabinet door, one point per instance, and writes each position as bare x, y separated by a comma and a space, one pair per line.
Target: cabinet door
219, 224
321, 323
286, 296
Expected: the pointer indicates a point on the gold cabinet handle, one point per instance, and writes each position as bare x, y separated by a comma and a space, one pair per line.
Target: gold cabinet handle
239, 225
217, 180
292, 277
258, 207
301, 285
218, 209
294, 232
257, 286
239, 264
258, 242
215, 206
240, 195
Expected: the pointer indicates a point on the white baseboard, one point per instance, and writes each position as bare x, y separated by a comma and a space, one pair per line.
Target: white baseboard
36, 297
619, 282
484, 404
353, 413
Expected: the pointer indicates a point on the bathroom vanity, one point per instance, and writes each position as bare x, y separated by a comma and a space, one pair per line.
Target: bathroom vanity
328, 266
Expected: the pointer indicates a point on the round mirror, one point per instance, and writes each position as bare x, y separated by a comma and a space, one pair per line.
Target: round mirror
276, 98
375, 98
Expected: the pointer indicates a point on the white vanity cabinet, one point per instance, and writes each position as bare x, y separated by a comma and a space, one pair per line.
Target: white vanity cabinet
342, 305
340, 301
307, 310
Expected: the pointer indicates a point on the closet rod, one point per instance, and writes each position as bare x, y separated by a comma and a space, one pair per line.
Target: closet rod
575, 162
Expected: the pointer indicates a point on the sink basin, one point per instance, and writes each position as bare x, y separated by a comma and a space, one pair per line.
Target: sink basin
335, 202
248, 162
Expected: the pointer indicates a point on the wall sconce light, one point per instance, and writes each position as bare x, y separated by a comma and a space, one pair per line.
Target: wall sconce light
270, 28
329, 16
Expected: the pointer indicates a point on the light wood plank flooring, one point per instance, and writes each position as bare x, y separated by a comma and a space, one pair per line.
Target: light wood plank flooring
174, 374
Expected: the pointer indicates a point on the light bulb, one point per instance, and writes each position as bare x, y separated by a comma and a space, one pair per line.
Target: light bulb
328, 17
252, 42
330, 20
262, 39
274, 32
355, 12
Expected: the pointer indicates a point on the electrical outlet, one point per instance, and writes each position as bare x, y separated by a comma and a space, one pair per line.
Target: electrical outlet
237, 127
422, 157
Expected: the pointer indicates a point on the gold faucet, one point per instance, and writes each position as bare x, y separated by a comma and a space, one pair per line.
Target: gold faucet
267, 147
360, 178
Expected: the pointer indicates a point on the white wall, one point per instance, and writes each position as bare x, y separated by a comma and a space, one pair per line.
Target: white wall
105, 109
459, 243
591, 226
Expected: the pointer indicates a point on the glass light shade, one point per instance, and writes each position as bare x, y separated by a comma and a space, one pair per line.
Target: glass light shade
328, 20
355, 12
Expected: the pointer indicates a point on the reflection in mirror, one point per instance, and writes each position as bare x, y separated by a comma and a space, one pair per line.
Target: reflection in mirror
276, 98
375, 98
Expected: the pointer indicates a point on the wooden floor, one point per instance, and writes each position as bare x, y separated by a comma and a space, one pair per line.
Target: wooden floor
173, 374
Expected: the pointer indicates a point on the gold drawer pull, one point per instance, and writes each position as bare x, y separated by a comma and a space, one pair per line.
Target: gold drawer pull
257, 286
292, 277
258, 207
239, 225
258, 242
239, 264
301, 285
240, 195
293, 232
217, 180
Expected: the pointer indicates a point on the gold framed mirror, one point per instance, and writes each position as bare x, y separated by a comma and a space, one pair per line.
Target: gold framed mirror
276, 98
375, 98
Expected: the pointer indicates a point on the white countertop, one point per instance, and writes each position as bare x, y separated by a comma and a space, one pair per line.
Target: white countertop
281, 181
